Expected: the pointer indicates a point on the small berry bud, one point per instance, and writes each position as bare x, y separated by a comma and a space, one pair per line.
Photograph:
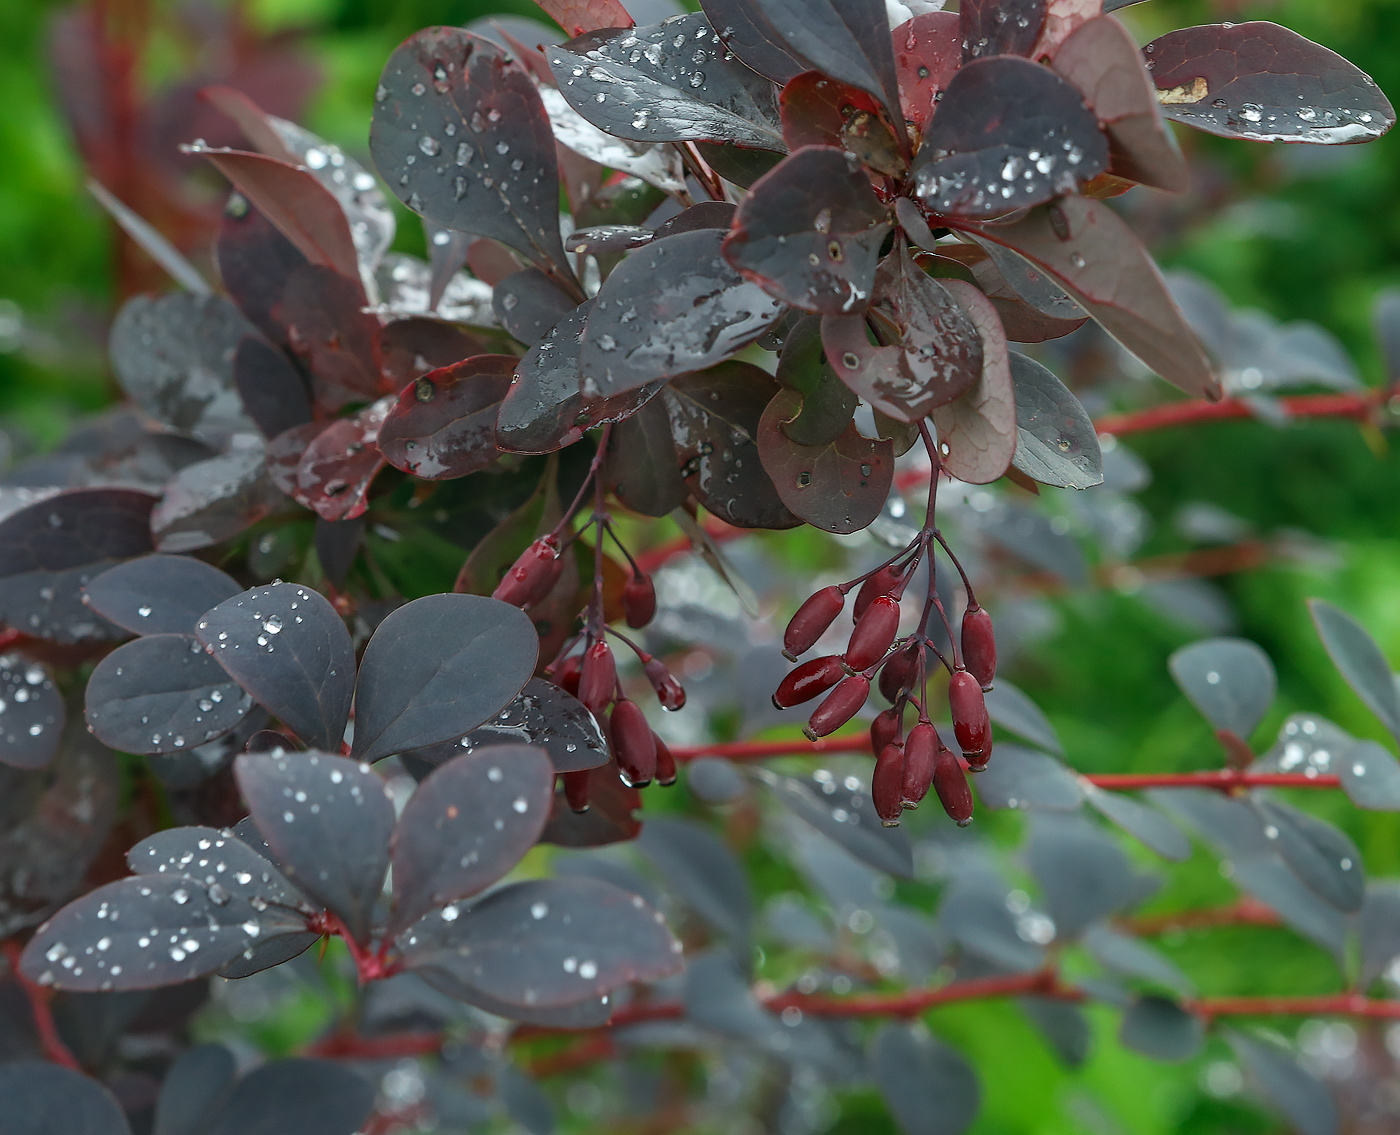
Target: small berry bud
898, 674
532, 575
951, 785
971, 725
598, 680
885, 729
920, 756
669, 692
665, 763
809, 680
839, 706
811, 621
886, 783
873, 634
979, 646
633, 743
576, 789
639, 601
567, 677
881, 583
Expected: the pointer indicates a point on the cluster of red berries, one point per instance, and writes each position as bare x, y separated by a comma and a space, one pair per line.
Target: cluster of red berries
905, 767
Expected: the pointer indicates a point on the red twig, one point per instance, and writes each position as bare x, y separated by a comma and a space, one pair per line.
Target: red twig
1337, 1005
44, 1024
390, 1047
1356, 406
1245, 912
10, 637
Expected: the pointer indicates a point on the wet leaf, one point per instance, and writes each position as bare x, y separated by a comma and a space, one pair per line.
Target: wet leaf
748, 35
327, 821
1147, 825
1370, 776
327, 327
818, 111
658, 165
1056, 443
211, 857
311, 1097
668, 82
528, 304
338, 465
32, 713
1320, 855
273, 392
642, 468
470, 821
603, 240
1359, 659
1378, 932
1260, 81
288, 648
159, 594
703, 872
1010, 272
41, 1097
255, 261
1304, 1100
1160, 1028
838, 487
195, 1090
927, 52
1085, 247
210, 501
841, 810
461, 137
810, 232
579, 16
1230, 680
1101, 60
671, 307
977, 430
544, 943
544, 716
161, 694
1133, 957
1023, 778
1082, 871
437, 668
541, 409
929, 1087
444, 424
999, 27
827, 404
610, 817
1008, 134
974, 913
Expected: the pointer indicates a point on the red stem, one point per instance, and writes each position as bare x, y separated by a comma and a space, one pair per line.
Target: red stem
10, 637
39, 1006
1355, 406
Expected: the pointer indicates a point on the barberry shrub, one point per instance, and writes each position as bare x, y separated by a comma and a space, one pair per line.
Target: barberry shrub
344, 579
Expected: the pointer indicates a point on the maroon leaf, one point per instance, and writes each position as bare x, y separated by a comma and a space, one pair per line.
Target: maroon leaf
1263, 82
838, 487
642, 469
927, 52
827, 403
255, 261
1022, 306
579, 16
412, 347
284, 453
749, 37
326, 325
444, 424
705, 215
977, 431
810, 232
604, 240
934, 352
1063, 18
1104, 64
336, 468
1009, 133
999, 27
273, 390
819, 111
610, 817
1088, 249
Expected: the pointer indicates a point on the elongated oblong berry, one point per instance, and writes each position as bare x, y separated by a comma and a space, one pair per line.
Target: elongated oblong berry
880, 583
887, 783
809, 680
633, 743
950, 783
873, 634
920, 756
665, 763
530, 578
639, 601
971, 725
885, 729
576, 789
597, 681
811, 620
669, 692
979, 646
900, 672
567, 676
838, 707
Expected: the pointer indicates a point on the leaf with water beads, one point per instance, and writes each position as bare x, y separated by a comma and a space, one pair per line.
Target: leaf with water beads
159, 594
1230, 680
255, 262
542, 944
1360, 661
977, 430
210, 501
1322, 856
470, 821
1056, 443
340, 463
288, 648
927, 53
214, 858
658, 165
528, 304
310, 1097
327, 821
444, 424
747, 34
460, 135
999, 27
1263, 82
42, 1097
840, 809
929, 1087
144, 932
611, 816
1370, 776
32, 714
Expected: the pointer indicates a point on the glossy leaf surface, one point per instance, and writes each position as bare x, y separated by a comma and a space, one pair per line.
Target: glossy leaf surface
747, 34
337, 467
927, 52
1056, 443
159, 594
213, 858
194, 1090
32, 720
550, 719
528, 304
977, 430
444, 424
274, 393
642, 468
999, 27
1230, 680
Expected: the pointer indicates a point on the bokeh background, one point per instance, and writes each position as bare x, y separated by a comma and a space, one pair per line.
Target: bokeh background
1298, 232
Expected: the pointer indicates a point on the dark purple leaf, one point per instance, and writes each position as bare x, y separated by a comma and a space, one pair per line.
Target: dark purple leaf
584, 150
461, 137
1320, 855
1305, 1101
255, 261
1008, 134
337, 468
542, 410
819, 111
159, 594
748, 36
642, 468
195, 1090
999, 27
1056, 443
672, 307
1006, 272
845, 814
273, 391
1260, 81
409, 348
1103, 63
32, 714
929, 1088
444, 424
437, 668
273, 951
838, 487
211, 501
47, 1099
1230, 680
1009, 707
1360, 661
705, 215
208, 856
827, 403
715, 416
1024, 778
1145, 824
161, 694
610, 817
288, 648
327, 821
715, 780
1086, 247
1082, 871
702, 870
1126, 954
810, 232
337, 543
310, 1097
447, 255
470, 821
173, 355
545, 943
144, 932
326, 325
669, 82
602, 240
189, 768
927, 52
935, 351
528, 304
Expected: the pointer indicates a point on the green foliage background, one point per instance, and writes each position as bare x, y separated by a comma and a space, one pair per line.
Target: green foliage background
1314, 240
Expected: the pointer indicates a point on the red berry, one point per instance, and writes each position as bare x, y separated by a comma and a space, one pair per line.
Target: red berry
807, 681
951, 785
598, 680
971, 725
568, 675
576, 789
669, 692
920, 756
532, 575
979, 645
885, 729
665, 763
839, 706
873, 634
639, 601
633, 743
881, 583
811, 621
886, 783
900, 672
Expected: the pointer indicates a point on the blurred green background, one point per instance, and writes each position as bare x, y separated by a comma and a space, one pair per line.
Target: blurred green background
1310, 235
